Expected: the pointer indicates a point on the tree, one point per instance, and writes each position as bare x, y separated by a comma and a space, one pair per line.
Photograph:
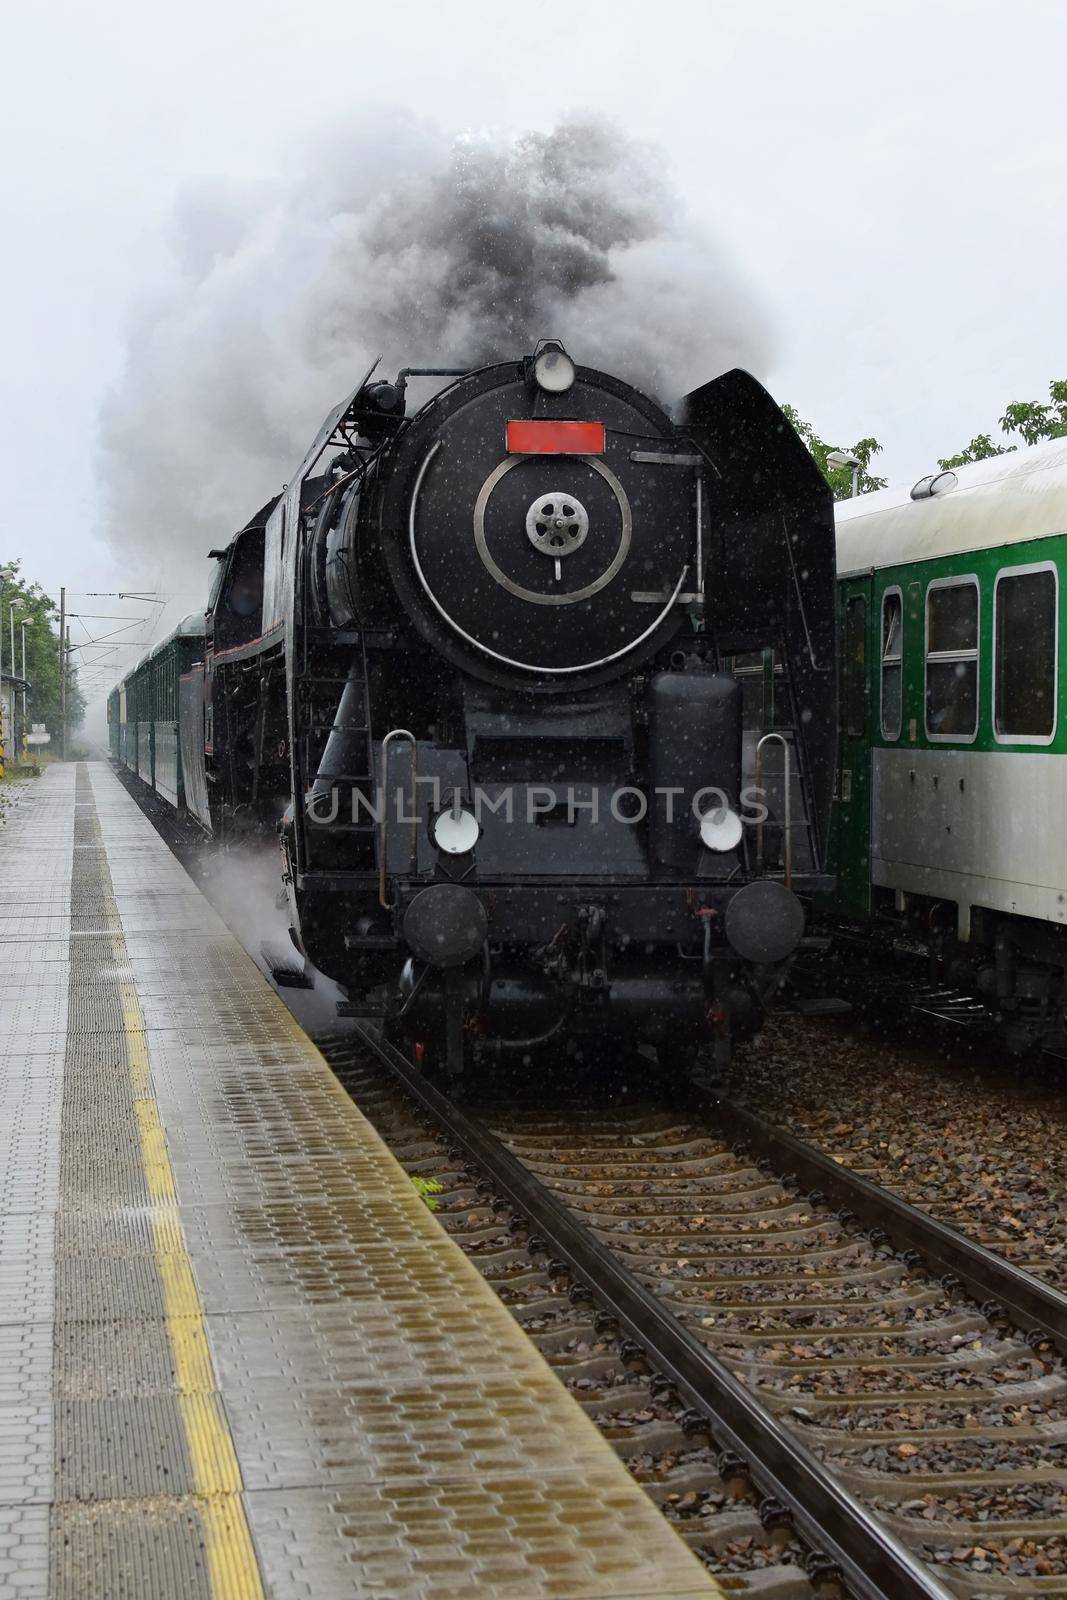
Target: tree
1036, 421
1030, 419
41, 615
980, 448
839, 478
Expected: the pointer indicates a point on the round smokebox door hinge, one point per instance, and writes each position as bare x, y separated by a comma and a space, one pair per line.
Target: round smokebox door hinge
555, 515
557, 524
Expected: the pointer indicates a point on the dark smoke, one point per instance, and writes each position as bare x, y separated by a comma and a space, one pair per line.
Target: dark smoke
512, 239
396, 241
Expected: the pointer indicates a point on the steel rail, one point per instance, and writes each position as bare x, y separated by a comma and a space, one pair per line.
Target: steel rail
1036, 1309
874, 1565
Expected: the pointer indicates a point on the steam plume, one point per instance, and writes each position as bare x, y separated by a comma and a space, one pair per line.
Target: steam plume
396, 240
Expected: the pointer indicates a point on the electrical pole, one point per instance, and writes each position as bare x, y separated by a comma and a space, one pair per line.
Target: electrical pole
63, 674
12, 607
6, 575
24, 624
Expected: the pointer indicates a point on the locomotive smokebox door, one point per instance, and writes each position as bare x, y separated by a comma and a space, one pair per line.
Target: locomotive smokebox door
541, 544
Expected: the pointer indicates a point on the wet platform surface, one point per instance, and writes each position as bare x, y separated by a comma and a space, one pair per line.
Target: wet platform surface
238, 1355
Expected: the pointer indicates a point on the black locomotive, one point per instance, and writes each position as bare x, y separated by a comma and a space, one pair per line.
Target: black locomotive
501, 674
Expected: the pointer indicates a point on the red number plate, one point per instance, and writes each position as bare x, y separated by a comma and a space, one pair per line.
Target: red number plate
555, 438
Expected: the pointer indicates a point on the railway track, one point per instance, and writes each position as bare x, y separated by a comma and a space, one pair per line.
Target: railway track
816, 1410
959, 1132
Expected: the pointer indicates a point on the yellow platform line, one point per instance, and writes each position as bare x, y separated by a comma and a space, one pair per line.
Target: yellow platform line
233, 1570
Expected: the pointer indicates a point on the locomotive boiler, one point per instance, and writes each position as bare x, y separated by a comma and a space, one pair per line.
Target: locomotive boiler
487, 664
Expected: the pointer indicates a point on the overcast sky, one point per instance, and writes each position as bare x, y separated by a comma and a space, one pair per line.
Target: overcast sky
887, 178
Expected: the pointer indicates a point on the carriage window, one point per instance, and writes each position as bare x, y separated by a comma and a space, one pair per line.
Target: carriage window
1024, 705
952, 659
856, 667
892, 663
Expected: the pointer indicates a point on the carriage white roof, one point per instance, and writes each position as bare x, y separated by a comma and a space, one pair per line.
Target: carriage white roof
1004, 500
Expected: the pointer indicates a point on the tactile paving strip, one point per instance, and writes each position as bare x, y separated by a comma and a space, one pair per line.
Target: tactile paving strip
138, 1422
340, 1378
127, 1549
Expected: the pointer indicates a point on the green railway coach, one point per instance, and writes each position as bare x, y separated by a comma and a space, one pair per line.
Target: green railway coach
951, 783
142, 711
116, 720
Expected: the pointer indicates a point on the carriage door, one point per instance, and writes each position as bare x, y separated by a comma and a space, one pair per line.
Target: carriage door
853, 802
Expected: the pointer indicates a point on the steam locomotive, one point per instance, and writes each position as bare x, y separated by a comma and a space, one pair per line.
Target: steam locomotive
537, 686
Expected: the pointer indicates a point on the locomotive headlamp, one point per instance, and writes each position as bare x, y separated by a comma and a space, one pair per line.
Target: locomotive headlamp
455, 831
720, 829
553, 369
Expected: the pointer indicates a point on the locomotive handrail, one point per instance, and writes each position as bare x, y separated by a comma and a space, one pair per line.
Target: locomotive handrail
395, 733
787, 830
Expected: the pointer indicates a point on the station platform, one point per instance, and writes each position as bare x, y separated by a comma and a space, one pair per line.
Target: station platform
239, 1357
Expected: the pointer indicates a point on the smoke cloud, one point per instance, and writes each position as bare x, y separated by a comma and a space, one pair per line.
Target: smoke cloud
398, 241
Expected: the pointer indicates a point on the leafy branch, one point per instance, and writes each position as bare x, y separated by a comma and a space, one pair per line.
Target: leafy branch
1032, 420
839, 478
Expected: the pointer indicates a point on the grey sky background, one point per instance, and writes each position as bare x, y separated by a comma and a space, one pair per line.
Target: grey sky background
886, 180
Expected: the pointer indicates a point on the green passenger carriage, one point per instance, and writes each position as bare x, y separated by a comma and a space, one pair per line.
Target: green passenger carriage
142, 711
950, 789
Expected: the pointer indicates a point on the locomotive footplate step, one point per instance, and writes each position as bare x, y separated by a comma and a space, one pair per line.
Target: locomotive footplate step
953, 1006
238, 1355
285, 966
820, 1005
